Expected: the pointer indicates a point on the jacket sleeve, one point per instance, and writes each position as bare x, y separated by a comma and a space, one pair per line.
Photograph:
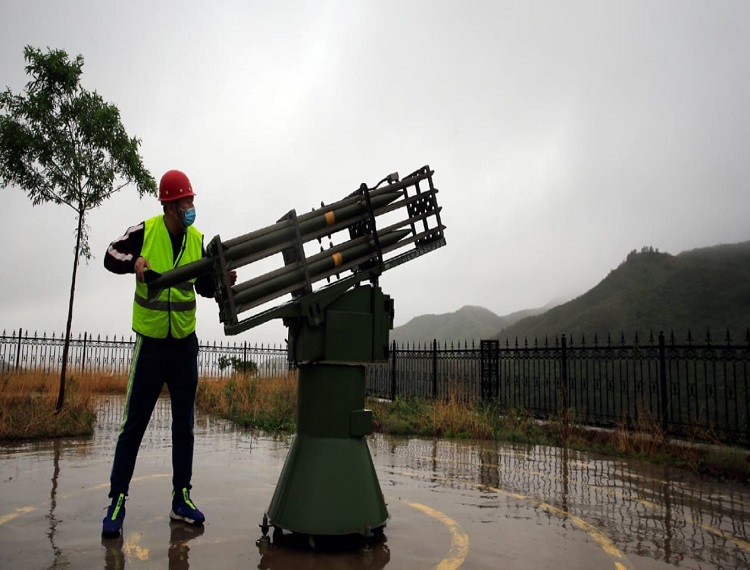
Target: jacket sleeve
122, 253
204, 284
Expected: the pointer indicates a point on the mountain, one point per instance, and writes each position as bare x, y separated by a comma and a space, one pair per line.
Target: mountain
469, 323
700, 290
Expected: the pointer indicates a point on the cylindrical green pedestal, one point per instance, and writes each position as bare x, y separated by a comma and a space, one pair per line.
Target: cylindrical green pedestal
328, 485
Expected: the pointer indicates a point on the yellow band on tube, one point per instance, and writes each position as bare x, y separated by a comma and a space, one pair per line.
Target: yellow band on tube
330, 218
338, 259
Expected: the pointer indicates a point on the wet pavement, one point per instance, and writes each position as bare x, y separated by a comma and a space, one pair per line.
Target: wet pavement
453, 504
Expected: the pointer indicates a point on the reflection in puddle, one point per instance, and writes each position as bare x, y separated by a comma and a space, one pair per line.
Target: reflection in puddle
648, 511
331, 553
655, 516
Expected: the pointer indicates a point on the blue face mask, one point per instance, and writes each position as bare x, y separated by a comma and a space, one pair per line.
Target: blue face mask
188, 217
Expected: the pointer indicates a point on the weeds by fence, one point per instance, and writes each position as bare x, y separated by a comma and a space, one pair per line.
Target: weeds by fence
695, 391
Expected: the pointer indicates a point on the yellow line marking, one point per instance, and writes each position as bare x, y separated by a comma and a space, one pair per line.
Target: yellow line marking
599, 537
459, 539
132, 548
24, 510
338, 259
330, 218
19, 511
741, 544
620, 562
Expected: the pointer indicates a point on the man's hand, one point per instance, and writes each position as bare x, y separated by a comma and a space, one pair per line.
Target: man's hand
141, 264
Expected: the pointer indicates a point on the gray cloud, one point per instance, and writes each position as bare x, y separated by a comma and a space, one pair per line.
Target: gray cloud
563, 135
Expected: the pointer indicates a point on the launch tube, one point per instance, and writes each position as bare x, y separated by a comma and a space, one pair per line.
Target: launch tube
281, 233
274, 238
341, 257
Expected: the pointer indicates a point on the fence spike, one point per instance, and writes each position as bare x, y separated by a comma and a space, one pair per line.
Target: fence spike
729, 338
747, 336
708, 337
690, 338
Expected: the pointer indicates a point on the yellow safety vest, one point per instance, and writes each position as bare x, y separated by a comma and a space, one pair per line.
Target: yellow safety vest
172, 309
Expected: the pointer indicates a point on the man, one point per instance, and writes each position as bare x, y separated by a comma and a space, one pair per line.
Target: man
166, 347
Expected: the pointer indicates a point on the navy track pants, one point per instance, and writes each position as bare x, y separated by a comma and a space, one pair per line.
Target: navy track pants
156, 362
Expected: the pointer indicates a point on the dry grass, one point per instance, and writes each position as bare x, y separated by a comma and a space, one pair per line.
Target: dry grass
645, 438
28, 398
454, 417
451, 417
263, 403
27, 403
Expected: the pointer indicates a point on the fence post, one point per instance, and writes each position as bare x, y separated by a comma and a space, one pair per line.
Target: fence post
434, 369
663, 391
564, 378
489, 380
18, 350
393, 372
83, 356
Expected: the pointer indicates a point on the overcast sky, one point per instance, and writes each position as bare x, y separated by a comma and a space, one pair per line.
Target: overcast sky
562, 134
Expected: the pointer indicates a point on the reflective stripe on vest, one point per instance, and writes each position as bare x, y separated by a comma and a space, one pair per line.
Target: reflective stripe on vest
156, 314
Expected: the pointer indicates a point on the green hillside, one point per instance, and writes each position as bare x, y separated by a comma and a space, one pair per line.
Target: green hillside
468, 324
701, 290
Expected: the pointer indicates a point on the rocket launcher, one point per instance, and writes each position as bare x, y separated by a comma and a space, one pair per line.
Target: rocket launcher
376, 229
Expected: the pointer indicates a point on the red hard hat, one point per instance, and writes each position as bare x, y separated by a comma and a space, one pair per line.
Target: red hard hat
174, 185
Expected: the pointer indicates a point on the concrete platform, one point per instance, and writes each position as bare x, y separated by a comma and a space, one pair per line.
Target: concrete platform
453, 504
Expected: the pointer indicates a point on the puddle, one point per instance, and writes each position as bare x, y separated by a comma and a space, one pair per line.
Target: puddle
453, 504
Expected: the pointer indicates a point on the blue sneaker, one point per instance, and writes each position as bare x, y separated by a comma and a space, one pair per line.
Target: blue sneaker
112, 523
183, 509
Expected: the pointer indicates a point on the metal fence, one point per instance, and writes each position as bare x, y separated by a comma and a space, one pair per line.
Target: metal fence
688, 389
111, 356
696, 391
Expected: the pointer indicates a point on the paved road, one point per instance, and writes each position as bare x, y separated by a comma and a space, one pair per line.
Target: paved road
452, 504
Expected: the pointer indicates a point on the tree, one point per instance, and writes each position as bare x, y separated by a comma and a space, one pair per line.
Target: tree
240, 366
63, 144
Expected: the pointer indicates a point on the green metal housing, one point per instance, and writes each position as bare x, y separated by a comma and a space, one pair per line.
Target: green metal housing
328, 485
